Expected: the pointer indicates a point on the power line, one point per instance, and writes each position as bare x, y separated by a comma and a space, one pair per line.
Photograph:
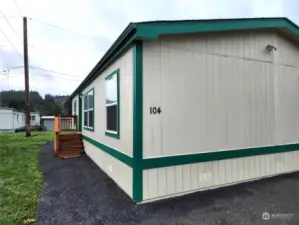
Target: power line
65, 29
11, 43
18, 8
9, 24
52, 71
59, 77
46, 70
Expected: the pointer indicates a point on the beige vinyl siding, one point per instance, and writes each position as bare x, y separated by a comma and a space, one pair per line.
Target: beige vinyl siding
76, 98
124, 144
177, 180
118, 171
216, 92
286, 91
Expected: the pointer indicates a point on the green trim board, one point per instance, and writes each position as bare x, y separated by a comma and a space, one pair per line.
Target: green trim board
166, 161
86, 93
117, 134
80, 112
137, 122
154, 29
111, 151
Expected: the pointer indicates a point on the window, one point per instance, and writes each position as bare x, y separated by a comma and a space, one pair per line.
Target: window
22, 118
89, 110
32, 118
112, 104
75, 107
17, 117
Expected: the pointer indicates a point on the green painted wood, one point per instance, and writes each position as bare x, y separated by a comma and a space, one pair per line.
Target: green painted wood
111, 151
80, 113
214, 156
137, 122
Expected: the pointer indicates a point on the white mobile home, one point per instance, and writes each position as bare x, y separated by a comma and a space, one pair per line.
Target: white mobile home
34, 119
11, 119
175, 107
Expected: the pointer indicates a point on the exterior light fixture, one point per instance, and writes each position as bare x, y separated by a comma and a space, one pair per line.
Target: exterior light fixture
270, 48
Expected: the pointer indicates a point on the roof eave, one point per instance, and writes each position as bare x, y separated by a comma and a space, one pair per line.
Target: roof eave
126, 37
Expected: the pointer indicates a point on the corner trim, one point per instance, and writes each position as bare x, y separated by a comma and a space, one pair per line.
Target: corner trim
111, 151
137, 122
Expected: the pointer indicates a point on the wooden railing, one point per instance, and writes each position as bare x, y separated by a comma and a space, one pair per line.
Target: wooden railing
63, 123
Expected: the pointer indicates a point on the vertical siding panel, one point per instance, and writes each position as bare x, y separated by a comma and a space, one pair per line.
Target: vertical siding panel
200, 172
178, 179
222, 172
268, 165
240, 169
153, 183
228, 171
146, 194
215, 172
162, 182
194, 176
234, 163
208, 174
251, 167
170, 180
186, 177
246, 162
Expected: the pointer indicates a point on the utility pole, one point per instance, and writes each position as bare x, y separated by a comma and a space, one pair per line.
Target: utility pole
26, 73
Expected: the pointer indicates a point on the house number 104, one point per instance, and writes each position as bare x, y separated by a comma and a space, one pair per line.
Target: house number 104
155, 110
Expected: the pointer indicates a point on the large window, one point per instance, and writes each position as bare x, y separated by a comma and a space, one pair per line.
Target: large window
89, 110
112, 104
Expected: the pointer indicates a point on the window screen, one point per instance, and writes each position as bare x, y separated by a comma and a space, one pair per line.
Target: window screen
112, 103
89, 110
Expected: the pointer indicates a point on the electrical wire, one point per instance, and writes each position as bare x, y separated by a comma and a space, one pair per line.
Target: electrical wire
11, 43
65, 76
65, 29
52, 71
9, 24
18, 8
48, 75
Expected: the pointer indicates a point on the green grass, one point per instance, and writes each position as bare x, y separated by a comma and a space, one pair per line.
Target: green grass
20, 175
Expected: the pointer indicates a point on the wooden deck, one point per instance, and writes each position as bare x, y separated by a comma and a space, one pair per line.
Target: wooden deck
68, 141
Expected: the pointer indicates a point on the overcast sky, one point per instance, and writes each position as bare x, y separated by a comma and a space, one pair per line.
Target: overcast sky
100, 22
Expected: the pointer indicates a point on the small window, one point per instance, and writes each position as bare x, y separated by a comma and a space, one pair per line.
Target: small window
17, 117
75, 107
89, 110
32, 118
112, 104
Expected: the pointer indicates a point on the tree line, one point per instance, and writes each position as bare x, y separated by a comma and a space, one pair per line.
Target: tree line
48, 106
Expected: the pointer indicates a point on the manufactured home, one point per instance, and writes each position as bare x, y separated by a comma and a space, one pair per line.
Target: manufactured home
11, 119
176, 107
34, 119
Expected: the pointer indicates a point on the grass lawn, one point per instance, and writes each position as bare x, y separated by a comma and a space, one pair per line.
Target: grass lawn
20, 175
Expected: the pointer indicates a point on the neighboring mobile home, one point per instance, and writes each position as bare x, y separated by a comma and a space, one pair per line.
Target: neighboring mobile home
175, 107
48, 122
11, 119
34, 119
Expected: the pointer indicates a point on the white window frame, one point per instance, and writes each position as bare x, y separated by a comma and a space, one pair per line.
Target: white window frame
113, 133
88, 110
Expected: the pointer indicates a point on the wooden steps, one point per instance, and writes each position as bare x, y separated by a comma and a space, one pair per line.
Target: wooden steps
70, 145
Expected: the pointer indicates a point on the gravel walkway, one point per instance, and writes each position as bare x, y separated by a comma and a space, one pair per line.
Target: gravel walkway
76, 191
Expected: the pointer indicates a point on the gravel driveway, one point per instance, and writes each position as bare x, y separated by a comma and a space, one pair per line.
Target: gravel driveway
76, 191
